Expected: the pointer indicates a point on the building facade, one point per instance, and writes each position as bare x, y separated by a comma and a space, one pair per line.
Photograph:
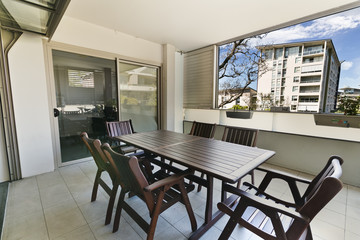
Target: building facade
303, 76
246, 100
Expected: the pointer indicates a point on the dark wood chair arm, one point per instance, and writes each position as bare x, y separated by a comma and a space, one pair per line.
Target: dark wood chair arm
291, 181
169, 181
284, 176
262, 204
268, 196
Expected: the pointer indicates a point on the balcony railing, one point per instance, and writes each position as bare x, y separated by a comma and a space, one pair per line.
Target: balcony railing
313, 52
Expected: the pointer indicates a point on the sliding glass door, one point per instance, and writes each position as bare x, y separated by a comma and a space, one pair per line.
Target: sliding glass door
138, 87
86, 97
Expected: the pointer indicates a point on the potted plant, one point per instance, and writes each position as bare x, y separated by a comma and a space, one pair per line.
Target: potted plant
239, 112
347, 105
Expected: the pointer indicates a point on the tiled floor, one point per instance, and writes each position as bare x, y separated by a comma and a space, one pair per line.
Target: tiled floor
57, 206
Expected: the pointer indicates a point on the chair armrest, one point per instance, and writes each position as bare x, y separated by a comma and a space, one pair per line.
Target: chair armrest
169, 181
268, 196
284, 176
265, 205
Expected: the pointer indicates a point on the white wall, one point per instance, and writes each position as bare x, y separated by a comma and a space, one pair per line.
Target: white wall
179, 92
299, 143
32, 117
79, 33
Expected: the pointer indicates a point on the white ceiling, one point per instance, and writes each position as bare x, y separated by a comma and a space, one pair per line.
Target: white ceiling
192, 24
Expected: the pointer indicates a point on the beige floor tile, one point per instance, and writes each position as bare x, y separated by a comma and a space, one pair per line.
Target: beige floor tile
184, 225
93, 211
104, 232
49, 179
353, 196
63, 218
351, 236
212, 234
352, 225
336, 206
331, 217
82, 233
20, 206
23, 187
175, 213
54, 195
171, 233
29, 227
327, 230
353, 212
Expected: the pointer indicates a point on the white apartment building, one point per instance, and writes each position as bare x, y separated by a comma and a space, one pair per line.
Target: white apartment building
303, 75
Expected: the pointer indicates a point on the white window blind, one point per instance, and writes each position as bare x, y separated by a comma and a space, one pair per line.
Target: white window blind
199, 78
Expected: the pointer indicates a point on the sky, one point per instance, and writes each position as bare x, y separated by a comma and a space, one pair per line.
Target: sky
344, 30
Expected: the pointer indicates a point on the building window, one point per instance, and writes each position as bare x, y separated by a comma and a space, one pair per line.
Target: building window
294, 98
284, 63
278, 53
296, 79
296, 69
298, 60
295, 88
313, 49
293, 107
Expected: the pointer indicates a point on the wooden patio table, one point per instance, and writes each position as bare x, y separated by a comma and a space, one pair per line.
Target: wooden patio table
225, 161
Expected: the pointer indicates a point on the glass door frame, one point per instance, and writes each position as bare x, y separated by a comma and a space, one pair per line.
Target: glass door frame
158, 94
49, 70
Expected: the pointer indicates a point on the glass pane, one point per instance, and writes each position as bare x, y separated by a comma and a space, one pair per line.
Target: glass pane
45, 3
28, 17
86, 97
138, 96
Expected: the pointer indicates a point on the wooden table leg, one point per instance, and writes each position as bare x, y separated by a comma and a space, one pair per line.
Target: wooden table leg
209, 198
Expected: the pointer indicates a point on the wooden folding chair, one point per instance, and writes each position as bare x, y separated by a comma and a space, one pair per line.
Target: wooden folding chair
158, 196
118, 128
272, 218
93, 145
201, 129
243, 136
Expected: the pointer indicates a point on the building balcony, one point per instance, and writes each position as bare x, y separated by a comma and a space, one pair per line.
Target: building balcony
315, 52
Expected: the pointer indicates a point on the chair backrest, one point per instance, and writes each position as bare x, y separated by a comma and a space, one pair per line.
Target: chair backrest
325, 188
333, 166
129, 174
243, 136
119, 128
98, 156
200, 129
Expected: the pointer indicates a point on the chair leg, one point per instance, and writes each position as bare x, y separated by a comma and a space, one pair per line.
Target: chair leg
231, 224
118, 210
199, 186
96, 185
187, 204
111, 203
155, 215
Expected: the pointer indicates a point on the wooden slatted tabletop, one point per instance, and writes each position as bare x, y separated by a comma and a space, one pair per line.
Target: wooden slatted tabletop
225, 161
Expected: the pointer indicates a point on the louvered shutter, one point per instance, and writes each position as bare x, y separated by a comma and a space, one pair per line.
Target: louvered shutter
199, 78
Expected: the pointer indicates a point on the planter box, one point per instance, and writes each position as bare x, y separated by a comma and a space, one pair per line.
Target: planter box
242, 114
335, 120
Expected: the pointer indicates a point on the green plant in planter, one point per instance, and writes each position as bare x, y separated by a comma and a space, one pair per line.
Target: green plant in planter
238, 107
349, 105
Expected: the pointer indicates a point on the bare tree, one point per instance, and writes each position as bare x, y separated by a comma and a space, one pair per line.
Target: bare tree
240, 65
